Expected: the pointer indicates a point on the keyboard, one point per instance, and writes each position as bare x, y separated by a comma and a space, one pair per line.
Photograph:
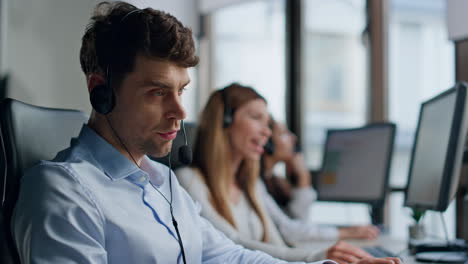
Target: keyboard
379, 252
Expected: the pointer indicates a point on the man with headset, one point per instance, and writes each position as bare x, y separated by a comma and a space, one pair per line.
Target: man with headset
103, 200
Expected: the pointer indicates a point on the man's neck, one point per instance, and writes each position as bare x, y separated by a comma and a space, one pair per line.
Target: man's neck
102, 127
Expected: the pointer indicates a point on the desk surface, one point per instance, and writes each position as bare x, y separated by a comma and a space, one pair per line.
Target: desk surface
396, 246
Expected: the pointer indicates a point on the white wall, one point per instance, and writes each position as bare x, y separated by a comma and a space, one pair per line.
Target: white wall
185, 10
42, 43
3, 26
207, 6
457, 20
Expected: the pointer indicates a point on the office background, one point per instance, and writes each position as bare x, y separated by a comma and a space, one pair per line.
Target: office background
320, 64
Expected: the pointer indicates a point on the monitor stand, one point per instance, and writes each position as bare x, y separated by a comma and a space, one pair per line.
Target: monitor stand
377, 215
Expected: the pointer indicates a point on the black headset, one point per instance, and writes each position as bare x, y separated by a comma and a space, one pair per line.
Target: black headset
228, 113
228, 118
102, 99
269, 146
102, 96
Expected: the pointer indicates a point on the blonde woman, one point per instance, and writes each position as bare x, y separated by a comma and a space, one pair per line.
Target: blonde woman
224, 179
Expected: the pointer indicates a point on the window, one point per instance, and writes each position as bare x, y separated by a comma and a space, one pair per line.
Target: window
249, 48
334, 87
190, 97
334, 70
422, 64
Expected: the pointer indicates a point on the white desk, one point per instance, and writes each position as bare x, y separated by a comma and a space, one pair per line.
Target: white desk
396, 246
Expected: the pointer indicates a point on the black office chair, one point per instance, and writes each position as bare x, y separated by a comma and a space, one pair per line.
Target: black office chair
4, 85
28, 134
191, 130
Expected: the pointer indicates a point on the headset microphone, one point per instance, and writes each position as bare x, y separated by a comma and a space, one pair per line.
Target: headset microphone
185, 152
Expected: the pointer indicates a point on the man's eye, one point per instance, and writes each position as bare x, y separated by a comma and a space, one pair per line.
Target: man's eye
256, 116
158, 93
182, 90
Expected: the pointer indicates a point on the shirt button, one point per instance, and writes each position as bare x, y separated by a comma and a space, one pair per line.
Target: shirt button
142, 179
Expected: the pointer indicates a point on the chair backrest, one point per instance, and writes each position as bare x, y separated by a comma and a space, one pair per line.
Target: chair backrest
191, 131
4, 85
28, 134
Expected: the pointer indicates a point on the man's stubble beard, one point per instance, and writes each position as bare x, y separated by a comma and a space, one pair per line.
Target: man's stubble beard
155, 150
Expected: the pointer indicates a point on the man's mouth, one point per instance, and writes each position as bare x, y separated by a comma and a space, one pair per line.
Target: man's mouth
168, 135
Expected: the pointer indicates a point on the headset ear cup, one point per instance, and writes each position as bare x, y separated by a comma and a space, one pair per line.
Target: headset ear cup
228, 118
228, 112
102, 99
269, 147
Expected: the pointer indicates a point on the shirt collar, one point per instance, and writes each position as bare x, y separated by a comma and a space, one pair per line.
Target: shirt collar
114, 164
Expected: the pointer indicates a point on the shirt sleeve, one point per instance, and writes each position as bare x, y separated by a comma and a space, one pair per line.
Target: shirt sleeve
301, 201
56, 220
217, 248
295, 232
193, 184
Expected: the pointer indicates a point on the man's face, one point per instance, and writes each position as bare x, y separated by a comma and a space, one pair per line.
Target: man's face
148, 106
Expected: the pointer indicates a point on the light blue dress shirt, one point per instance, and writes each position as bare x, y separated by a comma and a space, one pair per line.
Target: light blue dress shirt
93, 205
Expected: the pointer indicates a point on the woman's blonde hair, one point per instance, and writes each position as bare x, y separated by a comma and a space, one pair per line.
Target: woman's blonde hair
212, 153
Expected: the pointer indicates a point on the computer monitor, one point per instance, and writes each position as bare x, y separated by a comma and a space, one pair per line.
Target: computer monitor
356, 164
437, 153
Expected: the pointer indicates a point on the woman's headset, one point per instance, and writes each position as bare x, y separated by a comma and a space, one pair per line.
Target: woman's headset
228, 113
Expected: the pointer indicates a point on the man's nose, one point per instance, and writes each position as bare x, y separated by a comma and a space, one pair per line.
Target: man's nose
176, 109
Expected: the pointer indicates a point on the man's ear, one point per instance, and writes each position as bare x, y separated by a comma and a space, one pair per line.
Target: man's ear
94, 80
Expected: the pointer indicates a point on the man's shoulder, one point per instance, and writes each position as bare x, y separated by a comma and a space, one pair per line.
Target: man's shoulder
67, 179
65, 167
48, 175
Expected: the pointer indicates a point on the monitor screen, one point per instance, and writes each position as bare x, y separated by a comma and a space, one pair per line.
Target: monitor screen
356, 164
437, 151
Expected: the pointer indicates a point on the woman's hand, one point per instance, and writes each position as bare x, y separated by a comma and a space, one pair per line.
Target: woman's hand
359, 232
296, 166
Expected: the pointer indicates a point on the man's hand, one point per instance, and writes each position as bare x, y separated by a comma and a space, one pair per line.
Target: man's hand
359, 232
379, 261
344, 253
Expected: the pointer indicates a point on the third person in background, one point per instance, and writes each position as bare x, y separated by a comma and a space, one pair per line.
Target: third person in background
295, 193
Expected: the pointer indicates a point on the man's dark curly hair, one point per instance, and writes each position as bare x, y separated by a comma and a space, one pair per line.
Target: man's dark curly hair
114, 37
